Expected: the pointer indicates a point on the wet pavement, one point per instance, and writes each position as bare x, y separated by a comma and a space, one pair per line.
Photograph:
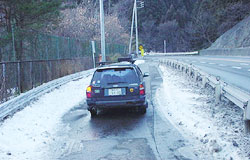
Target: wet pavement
121, 134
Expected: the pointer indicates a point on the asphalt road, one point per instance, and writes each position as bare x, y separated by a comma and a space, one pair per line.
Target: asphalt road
121, 134
232, 70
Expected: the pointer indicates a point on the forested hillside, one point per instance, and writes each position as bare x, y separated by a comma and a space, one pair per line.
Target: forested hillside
186, 25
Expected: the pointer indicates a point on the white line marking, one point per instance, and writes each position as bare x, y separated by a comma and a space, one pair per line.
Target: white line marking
249, 70
236, 67
223, 65
203, 62
211, 63
244, 64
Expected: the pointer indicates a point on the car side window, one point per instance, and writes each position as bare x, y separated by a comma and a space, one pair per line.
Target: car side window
139, 72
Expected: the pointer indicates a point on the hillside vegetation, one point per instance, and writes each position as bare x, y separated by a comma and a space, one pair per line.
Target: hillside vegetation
186, 25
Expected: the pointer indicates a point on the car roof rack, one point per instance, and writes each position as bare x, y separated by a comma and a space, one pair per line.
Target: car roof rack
104, 63
126, 59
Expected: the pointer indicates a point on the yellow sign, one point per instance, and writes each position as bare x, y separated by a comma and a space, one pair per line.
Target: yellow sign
142, 50
141, 47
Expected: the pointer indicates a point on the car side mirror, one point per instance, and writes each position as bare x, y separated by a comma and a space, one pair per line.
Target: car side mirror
146, 74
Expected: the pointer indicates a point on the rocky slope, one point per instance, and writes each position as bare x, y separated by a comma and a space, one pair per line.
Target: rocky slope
237, 37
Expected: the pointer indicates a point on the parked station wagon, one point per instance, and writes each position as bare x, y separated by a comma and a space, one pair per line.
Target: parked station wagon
118, 85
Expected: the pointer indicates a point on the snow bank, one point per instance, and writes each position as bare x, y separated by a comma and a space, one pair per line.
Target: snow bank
137, 62
216, 132
29, 132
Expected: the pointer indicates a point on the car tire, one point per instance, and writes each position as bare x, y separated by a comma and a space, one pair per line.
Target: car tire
93, 112
143, 110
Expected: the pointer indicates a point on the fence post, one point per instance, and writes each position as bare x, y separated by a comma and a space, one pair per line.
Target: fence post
19, 77
4, 81
31, 77
40, 69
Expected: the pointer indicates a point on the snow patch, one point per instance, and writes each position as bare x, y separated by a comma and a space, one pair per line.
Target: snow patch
29, 132
235, 67
137, 62
216, 131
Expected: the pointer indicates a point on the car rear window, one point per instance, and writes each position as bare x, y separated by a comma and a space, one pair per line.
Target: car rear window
115, 76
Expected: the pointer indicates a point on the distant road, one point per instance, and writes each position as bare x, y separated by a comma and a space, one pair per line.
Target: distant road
233, 70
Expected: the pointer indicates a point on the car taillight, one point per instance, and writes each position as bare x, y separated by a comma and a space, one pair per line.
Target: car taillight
89, 91
142, 90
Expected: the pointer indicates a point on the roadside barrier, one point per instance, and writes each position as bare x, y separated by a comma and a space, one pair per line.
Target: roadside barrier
232, 93
175, 53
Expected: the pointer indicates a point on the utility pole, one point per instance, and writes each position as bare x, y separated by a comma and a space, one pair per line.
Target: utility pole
102, 31
136, 29
132, 29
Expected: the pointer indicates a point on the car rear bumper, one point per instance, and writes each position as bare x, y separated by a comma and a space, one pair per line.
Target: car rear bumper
117, 104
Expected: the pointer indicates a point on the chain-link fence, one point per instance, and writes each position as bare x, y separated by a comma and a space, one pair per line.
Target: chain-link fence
35, 59
18, 77
46, 47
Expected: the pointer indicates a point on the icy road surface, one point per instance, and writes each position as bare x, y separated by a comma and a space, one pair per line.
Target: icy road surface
182, 122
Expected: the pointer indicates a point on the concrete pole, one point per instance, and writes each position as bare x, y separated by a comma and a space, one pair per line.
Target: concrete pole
102, 31
136, 29
132, 29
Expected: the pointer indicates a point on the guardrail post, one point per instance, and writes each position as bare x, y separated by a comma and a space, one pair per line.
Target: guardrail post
247, 117
195, 75
204, 81
217, 92
189, 71
247, 110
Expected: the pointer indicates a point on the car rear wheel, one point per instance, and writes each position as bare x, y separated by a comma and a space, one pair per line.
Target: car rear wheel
93, 112
143, 110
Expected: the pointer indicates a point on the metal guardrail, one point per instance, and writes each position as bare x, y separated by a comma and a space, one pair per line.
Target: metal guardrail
12, 106
232, 93
175, 53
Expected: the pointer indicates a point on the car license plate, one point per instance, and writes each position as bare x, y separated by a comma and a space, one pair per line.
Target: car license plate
115, 92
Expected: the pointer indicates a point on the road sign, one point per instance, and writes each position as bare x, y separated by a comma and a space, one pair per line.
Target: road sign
141, 47
142, 50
